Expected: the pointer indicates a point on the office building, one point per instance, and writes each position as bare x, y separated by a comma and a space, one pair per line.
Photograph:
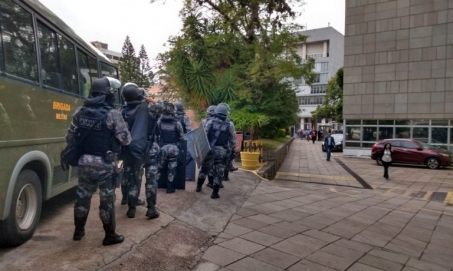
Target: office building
398, 72
326, 46
113, 56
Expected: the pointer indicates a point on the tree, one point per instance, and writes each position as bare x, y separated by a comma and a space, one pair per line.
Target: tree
239, 52
332, 106
129, 65
146, 75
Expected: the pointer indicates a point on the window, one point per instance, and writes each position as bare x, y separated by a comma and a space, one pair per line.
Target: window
311, 100
84, 74
439, 135
369, 134
321, 67
403, 132
315, 89
410, 145
92, 63
323, 78
395, 143
317, 79
299, 81
18, 41
68, 65
50, 68
385, 132
108, 70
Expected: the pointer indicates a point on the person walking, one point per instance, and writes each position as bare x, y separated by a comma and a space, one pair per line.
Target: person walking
99, 131
313, 135
329, 142
386, 159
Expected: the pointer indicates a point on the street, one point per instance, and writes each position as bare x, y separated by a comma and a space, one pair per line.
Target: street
315, 215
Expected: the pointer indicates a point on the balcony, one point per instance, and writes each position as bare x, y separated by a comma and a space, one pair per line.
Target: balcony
319, 55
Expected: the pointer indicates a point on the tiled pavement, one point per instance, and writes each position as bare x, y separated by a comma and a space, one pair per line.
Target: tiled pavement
295, 225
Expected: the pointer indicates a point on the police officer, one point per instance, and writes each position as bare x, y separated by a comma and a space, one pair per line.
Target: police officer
99, 127
221, 135
209, 162
182, 117
171, 133
133, 165
132, 96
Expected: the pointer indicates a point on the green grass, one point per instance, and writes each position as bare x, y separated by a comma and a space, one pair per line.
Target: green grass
273, 143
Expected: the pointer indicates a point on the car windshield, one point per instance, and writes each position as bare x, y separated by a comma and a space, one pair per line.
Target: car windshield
337, 137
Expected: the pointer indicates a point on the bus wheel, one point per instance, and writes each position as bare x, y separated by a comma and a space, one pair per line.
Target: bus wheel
25, 210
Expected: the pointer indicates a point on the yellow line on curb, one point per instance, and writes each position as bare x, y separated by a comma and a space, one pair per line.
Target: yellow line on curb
449, 199
317, 176
428, 194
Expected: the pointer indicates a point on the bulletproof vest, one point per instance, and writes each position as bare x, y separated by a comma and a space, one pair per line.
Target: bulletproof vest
224, 128
97, 138
168, 132
180, 118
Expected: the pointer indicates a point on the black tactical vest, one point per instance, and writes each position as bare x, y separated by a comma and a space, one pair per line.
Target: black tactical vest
93, 128
224, 127
180, 118
168, 132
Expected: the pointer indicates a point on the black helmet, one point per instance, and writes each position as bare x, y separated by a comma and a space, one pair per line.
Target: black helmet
211, 110
179, 107
222, 110
169, 108
131, 92
105, 85
144, 92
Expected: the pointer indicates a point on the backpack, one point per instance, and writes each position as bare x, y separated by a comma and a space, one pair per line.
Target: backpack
137, 151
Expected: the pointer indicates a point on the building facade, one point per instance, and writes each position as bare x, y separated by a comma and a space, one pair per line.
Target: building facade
398, 72
326, 46
113, 56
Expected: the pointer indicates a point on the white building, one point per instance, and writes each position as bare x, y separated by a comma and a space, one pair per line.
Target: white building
113, 56
326, 46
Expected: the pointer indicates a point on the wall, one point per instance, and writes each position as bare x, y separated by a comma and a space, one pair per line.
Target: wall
398, 59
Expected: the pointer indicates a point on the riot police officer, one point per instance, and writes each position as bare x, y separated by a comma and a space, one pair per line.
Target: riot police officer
141, 123
98, 128
222, 136
182, 117
171, 133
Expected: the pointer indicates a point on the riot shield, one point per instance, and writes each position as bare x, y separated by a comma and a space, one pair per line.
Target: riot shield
179, 181
201, 145
190, 162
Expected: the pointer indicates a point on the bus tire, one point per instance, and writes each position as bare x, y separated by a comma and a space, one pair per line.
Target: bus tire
25, 210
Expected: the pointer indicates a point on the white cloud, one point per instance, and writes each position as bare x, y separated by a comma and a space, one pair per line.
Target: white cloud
151, 24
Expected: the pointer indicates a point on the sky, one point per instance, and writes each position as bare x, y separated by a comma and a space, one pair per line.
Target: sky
110, 21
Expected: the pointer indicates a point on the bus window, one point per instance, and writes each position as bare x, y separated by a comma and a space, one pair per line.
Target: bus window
84, 71
68, 65
50, 68
18, 41
93, 64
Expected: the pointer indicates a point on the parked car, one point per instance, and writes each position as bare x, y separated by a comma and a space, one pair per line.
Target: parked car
435, 143
338, 138
409, 151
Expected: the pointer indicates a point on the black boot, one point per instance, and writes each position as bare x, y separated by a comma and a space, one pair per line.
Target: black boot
79, 232
215, 192
200, 183
124, 193
210, 181
170, 188
225, 175
131, 212
152, 212
111, 237
233, 169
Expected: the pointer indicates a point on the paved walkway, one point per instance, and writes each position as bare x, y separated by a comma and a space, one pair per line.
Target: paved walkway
301, 224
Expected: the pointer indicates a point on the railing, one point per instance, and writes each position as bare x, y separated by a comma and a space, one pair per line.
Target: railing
274, 159
319, 55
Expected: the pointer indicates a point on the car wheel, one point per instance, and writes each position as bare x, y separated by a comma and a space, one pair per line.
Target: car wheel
25, 210
432, 163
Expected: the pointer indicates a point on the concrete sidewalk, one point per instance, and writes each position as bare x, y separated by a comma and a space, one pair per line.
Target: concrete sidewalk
304, 224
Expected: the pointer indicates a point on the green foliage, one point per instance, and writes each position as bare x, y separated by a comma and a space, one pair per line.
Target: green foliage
129, 65
238, 52
248, 122
146, 75
333, 103
281, 133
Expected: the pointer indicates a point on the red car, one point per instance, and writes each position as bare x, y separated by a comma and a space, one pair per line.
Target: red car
409, 151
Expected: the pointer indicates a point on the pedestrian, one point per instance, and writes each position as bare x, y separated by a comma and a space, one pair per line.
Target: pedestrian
329, 143
313, 135
386, 158
138, 114
222, 136
99, 130
171, 133
308, 132
319, 135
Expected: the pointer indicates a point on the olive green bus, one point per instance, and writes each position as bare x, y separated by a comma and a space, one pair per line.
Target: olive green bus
46, 71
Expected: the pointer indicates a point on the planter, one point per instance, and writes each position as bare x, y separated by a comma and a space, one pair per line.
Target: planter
250, 160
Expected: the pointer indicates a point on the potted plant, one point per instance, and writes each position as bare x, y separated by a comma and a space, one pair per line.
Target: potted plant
249, 122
